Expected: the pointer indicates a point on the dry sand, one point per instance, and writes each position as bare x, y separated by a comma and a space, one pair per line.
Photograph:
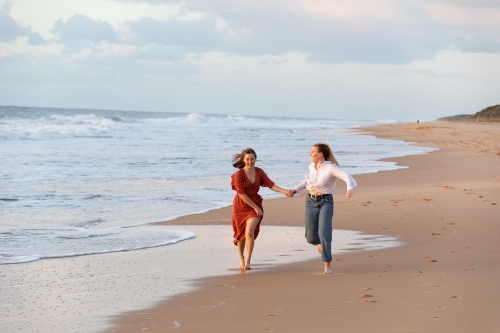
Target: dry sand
445, 279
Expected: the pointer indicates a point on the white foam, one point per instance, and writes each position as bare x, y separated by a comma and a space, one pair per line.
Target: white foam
27, 245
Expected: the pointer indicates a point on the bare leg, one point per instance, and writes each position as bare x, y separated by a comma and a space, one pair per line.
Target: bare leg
241, 248
250, 239
328, 270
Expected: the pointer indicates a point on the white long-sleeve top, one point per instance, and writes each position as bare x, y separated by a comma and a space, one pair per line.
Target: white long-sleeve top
324, 179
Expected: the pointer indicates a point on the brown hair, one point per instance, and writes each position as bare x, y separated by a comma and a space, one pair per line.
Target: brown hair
324, 149
238, 158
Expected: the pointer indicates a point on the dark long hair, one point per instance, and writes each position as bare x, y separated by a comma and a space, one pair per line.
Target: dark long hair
324, 148
238, 161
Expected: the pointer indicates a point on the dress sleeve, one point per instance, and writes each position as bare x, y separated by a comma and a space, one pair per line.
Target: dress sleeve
264, 179
238, 182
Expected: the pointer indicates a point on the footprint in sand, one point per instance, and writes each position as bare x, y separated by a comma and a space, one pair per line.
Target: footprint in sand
365, 296
454, 296
432, 260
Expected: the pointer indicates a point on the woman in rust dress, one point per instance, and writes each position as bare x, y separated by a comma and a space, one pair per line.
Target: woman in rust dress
247, 204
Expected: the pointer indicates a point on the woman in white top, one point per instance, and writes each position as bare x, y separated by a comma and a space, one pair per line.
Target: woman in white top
320, 182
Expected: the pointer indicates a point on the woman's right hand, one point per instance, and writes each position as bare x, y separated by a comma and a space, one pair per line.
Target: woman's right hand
258, 211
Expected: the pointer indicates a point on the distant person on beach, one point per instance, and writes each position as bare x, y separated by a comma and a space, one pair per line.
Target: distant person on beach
247, 204
320, 182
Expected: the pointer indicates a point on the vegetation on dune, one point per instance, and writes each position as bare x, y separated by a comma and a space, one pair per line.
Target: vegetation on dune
491, 113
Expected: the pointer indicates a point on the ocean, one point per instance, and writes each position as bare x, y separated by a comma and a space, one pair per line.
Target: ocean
73, 182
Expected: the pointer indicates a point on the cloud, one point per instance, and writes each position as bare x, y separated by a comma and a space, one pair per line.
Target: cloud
195, 34
188, 36
359, 31
80, 32
158, 53
329, 40
423, 72
135, 65
10, 30
478, 44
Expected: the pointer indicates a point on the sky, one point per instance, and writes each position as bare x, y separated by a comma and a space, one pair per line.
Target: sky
341, 59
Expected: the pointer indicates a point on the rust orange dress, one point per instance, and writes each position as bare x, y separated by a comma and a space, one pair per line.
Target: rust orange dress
241, 210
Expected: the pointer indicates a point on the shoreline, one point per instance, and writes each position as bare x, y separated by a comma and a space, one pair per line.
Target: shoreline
428, 285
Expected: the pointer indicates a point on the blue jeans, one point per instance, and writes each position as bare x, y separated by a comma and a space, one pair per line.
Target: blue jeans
318, 221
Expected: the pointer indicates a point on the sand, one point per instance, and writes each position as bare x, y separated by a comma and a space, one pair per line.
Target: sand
445, 206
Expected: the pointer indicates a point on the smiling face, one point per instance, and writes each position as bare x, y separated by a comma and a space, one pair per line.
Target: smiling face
249, 160
316, 155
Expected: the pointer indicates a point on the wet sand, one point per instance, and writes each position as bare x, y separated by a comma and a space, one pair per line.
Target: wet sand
445, 207
82, 294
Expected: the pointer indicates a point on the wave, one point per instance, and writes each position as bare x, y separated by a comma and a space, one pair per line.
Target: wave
49, 124
26, 245
55, 127
9, 199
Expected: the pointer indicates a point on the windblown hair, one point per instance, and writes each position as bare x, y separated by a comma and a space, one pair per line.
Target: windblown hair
238, 159
327, 152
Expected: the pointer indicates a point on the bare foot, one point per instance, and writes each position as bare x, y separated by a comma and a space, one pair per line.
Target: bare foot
248, 268
328, 270
320, 249
242, 263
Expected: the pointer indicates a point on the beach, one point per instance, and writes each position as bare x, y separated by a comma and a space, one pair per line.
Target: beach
444, 278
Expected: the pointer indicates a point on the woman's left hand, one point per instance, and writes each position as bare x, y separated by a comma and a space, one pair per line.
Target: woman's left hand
349, 194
